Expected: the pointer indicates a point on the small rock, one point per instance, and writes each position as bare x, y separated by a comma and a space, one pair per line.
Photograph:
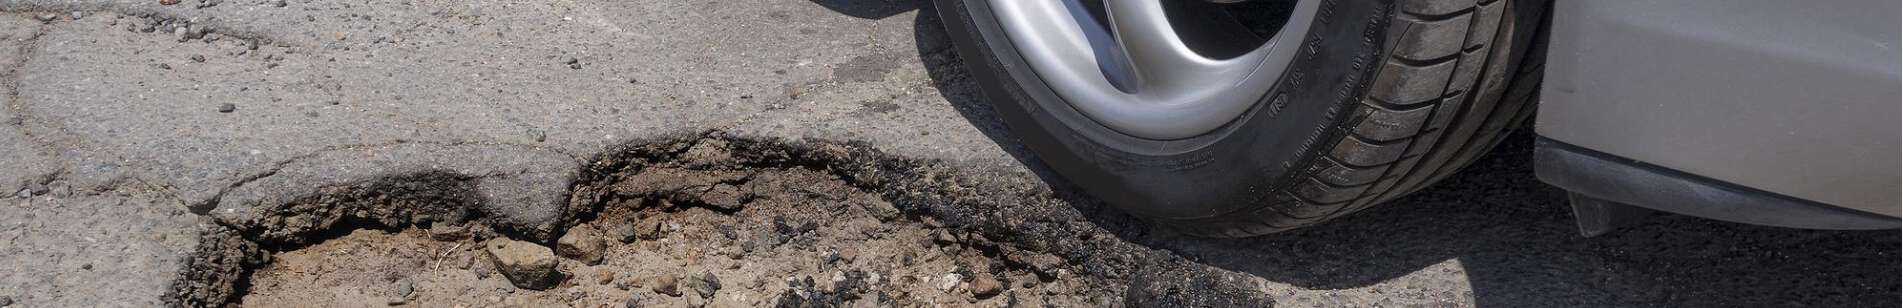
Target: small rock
704, 284
397, 301
537, 135
950, 281
648, 228
164, 66
187, 33
527, 265
626, 233
198, 58
574, 66
627, 284
1045, 265
405, 287
445, 232
77, 15
227, 108
604, 277
582, 243
696, 302
667, 285
279, 3
726, 197
832, 256
87, 266
986, 286
943, 237
46, 17
6, 301
168, 2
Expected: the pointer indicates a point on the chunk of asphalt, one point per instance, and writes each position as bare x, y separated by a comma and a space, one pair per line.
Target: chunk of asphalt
521, 190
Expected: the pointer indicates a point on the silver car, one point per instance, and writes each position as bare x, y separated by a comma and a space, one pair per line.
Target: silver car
1233, 118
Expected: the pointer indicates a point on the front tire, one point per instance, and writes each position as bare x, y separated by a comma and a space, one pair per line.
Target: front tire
1383, 98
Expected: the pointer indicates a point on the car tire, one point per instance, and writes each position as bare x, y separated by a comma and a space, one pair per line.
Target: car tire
1382, 99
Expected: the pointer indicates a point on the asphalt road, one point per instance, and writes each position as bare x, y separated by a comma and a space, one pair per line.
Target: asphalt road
126, 137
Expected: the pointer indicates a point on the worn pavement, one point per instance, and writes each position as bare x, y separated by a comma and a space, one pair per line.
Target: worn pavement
123, 135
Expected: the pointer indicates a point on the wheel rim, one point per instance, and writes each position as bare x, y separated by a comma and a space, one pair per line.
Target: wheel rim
1135, 74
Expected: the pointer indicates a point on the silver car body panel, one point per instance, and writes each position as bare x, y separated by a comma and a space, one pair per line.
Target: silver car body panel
1797, 98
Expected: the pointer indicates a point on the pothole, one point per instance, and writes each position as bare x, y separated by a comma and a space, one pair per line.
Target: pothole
710, 220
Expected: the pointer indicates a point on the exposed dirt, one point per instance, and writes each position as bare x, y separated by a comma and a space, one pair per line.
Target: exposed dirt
728, 223
776, 237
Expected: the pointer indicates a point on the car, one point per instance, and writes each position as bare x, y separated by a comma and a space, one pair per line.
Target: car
1232, 118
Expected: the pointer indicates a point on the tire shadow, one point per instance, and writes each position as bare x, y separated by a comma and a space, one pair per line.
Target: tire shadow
1512, 237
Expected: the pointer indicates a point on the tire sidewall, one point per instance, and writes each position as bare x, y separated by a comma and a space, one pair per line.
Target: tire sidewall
1244, 164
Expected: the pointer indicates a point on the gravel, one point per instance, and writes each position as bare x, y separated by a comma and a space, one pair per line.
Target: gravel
704, 284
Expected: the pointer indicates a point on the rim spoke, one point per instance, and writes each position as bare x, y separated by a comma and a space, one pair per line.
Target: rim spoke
1132, 72
1155, 52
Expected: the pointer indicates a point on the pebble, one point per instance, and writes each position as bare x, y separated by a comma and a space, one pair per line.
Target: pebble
943, 237
445, 232
187, 33
527, 265
165, 66
625, 232
405, 287
279, 3
648, 228
6, 301
77, 15
1046, 266
986, 286
949, 281
604, 277
704, 284
537, 135
227, 108
198, 58
582, 243
168, 2
667, 285
696, 302
46, 17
